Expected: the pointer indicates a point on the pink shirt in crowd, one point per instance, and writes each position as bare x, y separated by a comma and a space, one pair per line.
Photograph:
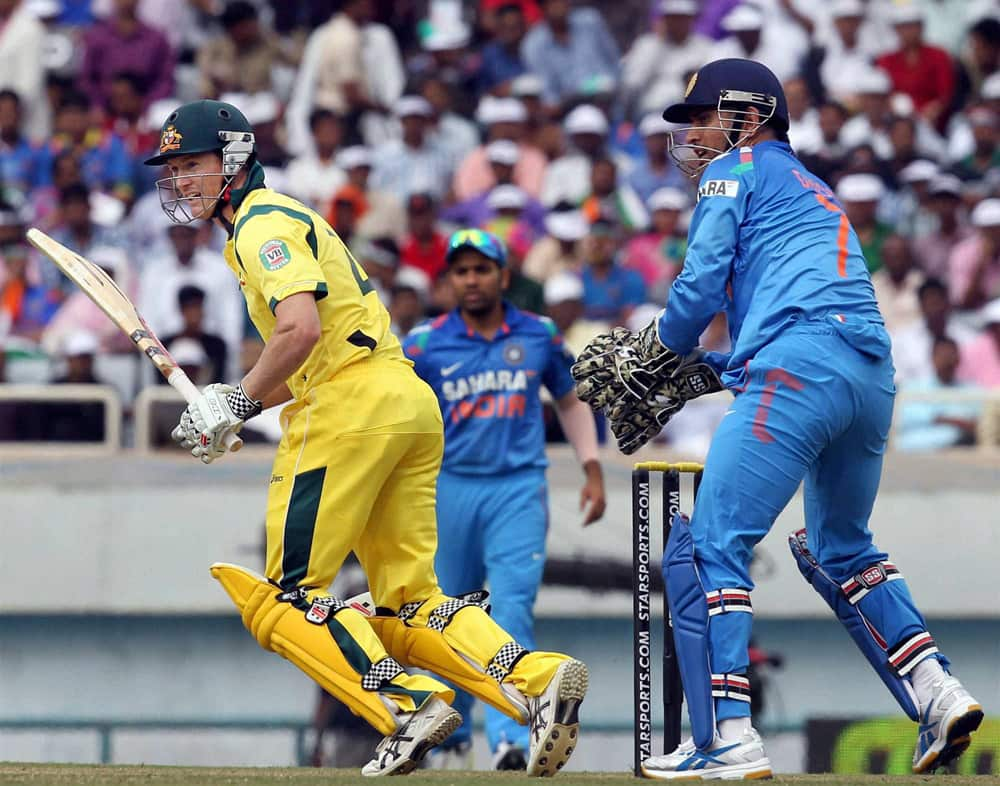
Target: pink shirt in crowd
980, 362
962, 264
474, 175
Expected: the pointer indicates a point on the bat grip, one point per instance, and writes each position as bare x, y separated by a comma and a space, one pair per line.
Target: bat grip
182, 383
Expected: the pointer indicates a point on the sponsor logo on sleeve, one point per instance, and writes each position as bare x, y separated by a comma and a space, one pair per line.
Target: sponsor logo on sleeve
726, 188
274, 254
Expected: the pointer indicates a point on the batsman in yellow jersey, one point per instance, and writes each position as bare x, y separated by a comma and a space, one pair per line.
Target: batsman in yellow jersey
355, 471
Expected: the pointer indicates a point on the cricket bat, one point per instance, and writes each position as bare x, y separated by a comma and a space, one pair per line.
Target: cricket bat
102, 289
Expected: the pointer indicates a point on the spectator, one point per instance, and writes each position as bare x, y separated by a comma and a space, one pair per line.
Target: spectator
424, 246
896, 284
76, 421
540, 131
979, 60
567, 48
564, 304
658, 255
618, 203
830, 158
925, 73
985, 155
525, 293
189, 262
21, 164
913, 211
860, 195
411, 164
504, 119
124, 44
22, 70
657, 170
382, 214
751, 38
191, 305
345, 207
560, 250
350, 66
804, 132
78, 231
104, 161
568, 177
912, 346
407, 302
380, 259
449, 131
26, 306
611, 292
314, 177
871, 123
656, 68
241, 60
833, 68
930, 425
127, 121
974, 264
980, 364
502, 56
933, 249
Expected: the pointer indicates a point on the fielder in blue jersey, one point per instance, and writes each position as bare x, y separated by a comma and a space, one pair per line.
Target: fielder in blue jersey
812, 373
487, 362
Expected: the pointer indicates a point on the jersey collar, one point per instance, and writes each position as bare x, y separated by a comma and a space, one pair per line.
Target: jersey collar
458, 326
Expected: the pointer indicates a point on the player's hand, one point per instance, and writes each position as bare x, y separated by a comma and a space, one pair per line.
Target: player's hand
634, 423
595, 373
592, 497
219, 411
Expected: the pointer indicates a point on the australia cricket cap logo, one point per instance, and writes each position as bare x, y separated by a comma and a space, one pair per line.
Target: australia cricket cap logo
170, 139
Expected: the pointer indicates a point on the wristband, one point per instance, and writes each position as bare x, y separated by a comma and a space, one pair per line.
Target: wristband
242, 405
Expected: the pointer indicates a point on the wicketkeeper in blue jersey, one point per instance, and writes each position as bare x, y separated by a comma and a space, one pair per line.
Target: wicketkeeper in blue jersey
812, 373
487, 362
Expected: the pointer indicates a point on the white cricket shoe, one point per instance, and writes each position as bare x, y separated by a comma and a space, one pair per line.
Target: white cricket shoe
418, 732
946, 725
554, 719
724, 760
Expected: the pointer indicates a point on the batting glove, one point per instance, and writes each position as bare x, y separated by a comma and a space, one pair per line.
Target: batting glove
220, 410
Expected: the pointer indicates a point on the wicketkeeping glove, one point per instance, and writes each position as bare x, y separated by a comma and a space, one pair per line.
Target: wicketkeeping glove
219, 411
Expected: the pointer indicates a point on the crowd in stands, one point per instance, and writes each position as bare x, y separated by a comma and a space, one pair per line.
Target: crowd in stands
538, 120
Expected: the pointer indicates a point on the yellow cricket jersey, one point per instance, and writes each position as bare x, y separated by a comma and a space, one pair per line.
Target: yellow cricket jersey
280, 247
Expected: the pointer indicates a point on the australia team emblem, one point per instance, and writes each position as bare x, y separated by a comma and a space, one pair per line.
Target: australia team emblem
170, 139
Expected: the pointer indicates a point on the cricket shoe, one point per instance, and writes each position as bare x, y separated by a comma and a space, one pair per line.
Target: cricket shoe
946, 726
418, 732
554, 719
725, 760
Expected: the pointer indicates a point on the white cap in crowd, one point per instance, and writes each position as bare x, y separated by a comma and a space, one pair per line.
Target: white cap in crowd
503, 151
653, 123
78, 343
840, 9
945, 184
500, 110
990, 313
990, 89
860, 188
568, 225
560, 287
527, 85
906, 13
188, 352
874, 81
586, 119
742, 18
668, 198
918, 171
452, 35
506, 197
678, 7
414, 278
354, 156
986, 213
412, 106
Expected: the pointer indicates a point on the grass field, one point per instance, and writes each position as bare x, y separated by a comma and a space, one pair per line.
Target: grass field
67, 775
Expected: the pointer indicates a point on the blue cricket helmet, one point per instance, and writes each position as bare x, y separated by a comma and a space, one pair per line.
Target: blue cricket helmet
733, 80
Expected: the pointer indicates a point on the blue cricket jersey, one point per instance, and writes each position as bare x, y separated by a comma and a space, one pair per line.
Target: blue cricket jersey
770, 245
489, 390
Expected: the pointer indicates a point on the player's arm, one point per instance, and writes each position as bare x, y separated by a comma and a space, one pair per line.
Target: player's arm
699, 292
577, 423
297, 328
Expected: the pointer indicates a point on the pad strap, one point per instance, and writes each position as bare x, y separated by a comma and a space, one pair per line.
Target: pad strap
731, 686
381, 674
318, 610
503, 662
724, 600
856, 587
908, 653
439, 618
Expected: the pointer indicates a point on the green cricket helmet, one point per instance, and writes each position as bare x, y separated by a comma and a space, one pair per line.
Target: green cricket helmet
205, 127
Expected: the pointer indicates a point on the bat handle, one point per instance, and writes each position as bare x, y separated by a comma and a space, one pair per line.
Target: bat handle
182, 383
